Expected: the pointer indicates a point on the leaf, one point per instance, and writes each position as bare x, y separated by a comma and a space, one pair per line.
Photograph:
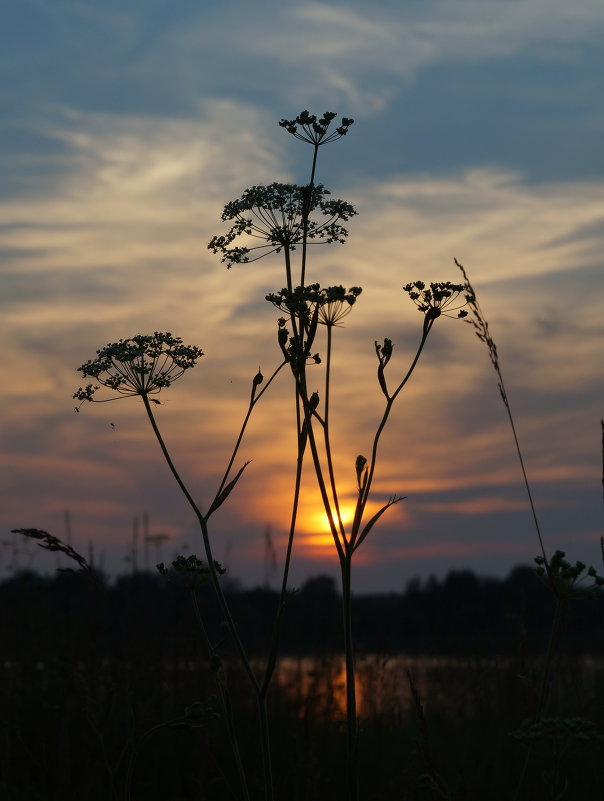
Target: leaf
370, 523
224, 494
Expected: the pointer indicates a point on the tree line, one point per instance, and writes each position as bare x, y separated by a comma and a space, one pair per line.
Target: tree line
72, 616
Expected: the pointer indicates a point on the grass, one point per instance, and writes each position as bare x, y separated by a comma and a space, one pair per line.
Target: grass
69, 731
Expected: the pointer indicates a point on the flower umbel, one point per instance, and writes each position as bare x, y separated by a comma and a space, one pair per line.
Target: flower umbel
315, 131
336, 303
299, 302
440, 298
276, 215
140, 365
565, 578
332, 302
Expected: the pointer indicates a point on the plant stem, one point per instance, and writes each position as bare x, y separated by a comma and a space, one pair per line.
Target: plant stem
389, 404
224, 607
227, 709
549, 657
305, 215
551, 648
332, 479
273, 652
351, 699
481, 327
253, 402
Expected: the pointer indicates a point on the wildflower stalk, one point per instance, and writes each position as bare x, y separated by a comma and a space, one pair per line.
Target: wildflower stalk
390, 399
278, 624
227, 709
225, 610
327, 439
346, 547
143, 366
306, 306
562, 577
351, 696
481, 327
283, 217
549, 656
305, 215
253, 401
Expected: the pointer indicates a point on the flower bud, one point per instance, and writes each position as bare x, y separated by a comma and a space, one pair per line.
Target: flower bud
360, 465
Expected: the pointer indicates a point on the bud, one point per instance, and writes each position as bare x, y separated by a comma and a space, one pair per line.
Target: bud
360, 466
257, 380
283, 339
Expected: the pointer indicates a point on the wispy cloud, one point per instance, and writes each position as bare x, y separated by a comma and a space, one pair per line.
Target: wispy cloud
114, 244
360, 50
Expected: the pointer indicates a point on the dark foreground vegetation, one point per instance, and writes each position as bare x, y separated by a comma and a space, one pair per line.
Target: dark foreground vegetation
102, 682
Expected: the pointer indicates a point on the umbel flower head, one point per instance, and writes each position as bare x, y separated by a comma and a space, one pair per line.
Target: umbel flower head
141, 365
337, 304
315, 131
441, 297
332, 303
276, 214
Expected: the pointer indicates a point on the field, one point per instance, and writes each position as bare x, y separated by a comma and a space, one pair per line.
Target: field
106, 695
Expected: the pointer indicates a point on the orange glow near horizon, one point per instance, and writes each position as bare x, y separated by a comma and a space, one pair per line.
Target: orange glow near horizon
315, 533
446, 446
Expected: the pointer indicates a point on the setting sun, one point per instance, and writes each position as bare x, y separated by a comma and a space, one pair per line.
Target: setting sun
315, 526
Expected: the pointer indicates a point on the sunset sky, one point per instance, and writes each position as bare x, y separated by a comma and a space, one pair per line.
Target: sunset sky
126, 126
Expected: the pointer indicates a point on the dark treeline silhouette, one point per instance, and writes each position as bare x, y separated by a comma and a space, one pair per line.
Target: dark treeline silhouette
144, 616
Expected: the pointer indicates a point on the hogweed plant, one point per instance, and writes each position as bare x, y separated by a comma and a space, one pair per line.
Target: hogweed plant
142, 366
284, 220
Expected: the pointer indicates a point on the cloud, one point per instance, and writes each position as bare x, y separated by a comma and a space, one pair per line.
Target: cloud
362, 50
114, 244
359, 53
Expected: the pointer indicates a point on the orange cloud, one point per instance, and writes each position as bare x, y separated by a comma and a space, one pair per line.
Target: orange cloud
116, 246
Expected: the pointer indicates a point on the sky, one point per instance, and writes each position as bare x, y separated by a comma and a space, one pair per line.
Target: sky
126, 126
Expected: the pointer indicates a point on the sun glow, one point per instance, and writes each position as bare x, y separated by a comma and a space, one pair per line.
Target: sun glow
317, 529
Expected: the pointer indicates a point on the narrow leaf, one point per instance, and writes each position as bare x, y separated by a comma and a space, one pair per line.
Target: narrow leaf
222, 496
370, 523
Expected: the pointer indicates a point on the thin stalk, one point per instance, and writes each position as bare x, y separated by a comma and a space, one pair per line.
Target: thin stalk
300, 378
382, 425
551, 647
288, 269
253, 402
265, 743
527, 486
169, 461
323, 489
276, 635
208, 549
481, 327
351, 698
224, 608
260, 701
306, 213
227, 709
327, 438
549, 656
